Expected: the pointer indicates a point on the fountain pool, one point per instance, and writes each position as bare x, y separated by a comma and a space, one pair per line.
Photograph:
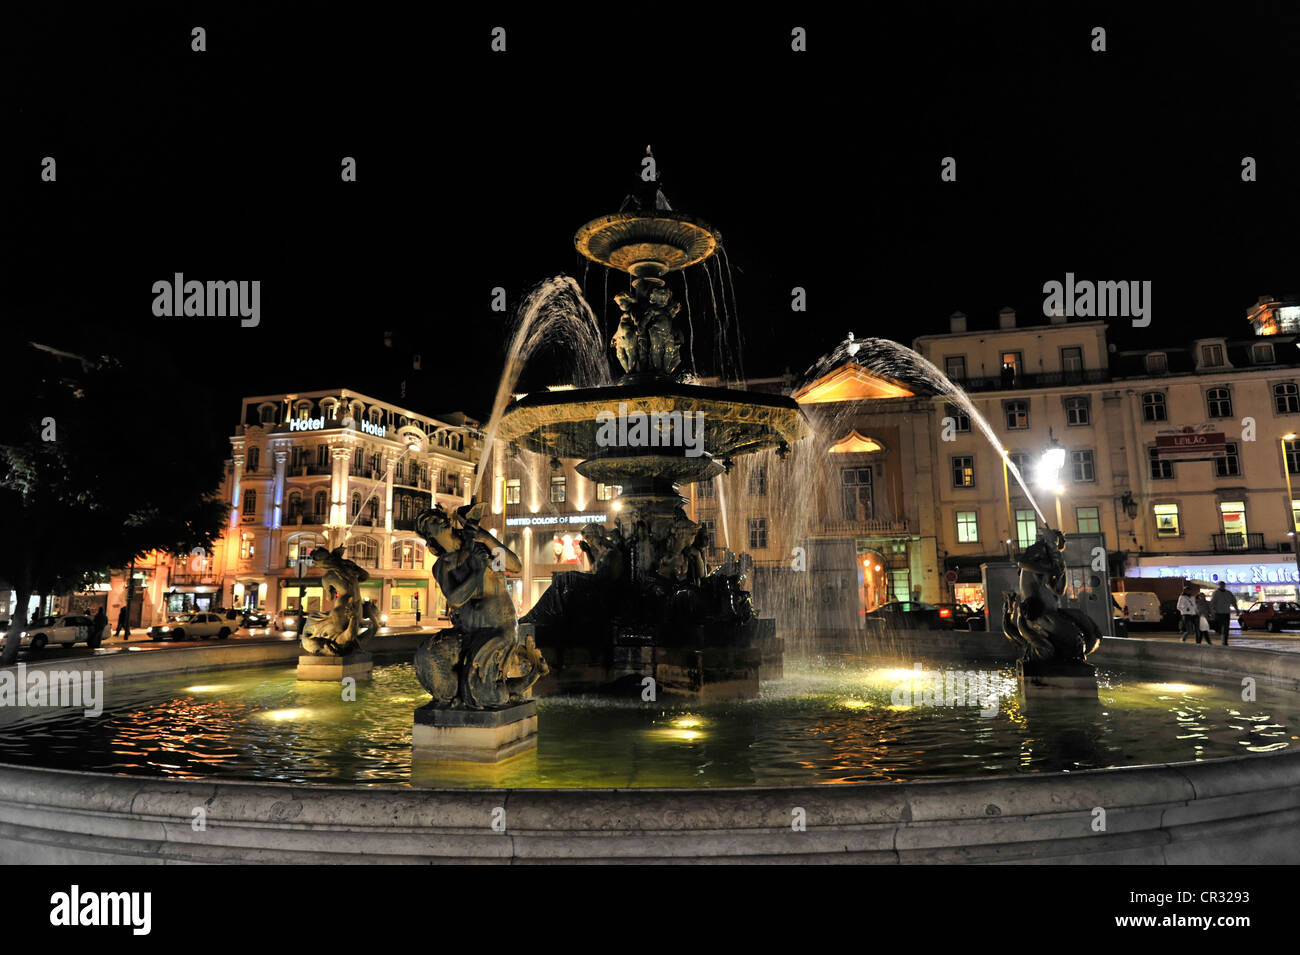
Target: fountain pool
831, 721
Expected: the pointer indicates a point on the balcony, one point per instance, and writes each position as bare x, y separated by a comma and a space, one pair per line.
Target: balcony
403, 523
1238, 543
1050, 379
195, 580
873, 525
303, 520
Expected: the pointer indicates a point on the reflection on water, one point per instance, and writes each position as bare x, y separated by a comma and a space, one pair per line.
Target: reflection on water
827, 722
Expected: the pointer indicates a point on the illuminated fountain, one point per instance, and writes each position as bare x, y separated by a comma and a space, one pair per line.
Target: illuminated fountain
652, 607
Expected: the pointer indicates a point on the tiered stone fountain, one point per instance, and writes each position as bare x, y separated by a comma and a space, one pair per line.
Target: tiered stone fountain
652, 607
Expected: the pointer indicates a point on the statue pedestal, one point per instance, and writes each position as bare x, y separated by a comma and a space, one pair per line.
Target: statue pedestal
476, 736
1048, 679
331, 669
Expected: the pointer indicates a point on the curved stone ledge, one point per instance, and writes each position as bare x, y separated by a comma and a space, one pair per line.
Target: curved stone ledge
1239, 810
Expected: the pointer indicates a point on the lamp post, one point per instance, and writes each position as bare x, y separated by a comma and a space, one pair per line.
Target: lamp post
1048, 475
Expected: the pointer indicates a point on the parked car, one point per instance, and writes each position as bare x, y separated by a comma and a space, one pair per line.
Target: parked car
1272, 615
287, 619
1139, 608
961, 616
255, 618
201, 625
909, 615
64, 629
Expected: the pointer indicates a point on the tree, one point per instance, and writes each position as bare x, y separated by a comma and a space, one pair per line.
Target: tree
76, 499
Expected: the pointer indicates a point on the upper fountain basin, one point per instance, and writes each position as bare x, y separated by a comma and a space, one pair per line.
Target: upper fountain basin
579, 423
647, 244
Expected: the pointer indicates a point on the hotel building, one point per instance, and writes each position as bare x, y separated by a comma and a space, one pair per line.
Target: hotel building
331, 468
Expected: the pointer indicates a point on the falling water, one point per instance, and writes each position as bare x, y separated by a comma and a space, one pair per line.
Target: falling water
553, 313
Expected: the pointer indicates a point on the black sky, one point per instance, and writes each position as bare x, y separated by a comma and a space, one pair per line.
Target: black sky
820, 169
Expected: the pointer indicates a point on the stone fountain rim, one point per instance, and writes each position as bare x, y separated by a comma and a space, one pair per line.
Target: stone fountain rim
582, 236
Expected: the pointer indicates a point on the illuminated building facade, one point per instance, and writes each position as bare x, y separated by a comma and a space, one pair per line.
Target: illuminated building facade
331, 468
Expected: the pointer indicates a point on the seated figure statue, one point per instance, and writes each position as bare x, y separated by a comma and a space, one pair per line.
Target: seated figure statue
338, 632
1034, 619
480, 661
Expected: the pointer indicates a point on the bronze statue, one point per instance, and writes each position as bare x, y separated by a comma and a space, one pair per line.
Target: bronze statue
480, 661
647, 340
338, 633
1034, 619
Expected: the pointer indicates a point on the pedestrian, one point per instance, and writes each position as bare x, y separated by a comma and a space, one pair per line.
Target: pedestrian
123, 624
99, 625
1203, 615
1220, 603
1187, 611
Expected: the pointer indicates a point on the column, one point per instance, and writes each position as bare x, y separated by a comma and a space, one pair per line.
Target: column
467, 483
338, 516
388, 496
235, 480
277, 488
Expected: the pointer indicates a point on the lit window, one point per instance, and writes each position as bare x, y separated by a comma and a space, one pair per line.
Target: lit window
1026, 528
1088, 519
557, 489
1166, 520
963, 471
513, 491
246, 546
967, 527
607, 492
758, 533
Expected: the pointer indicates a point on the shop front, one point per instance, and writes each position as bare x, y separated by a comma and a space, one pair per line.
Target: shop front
405, 597
1248, 577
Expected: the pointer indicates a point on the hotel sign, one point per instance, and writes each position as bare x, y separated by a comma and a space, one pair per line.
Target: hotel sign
1190, 441
306, 424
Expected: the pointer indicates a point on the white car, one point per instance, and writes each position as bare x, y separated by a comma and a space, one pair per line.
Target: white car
64, 629
196, 626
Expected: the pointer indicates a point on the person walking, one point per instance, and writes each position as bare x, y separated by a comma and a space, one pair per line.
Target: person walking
98, 627
123, 623
1187, 611
1203, 613
1220, 603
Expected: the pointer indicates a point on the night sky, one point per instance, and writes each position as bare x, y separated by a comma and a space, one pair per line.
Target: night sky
820, 169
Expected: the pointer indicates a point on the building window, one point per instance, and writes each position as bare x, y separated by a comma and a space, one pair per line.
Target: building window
295, 505
1167, 520
1286, 398
355, 507
1263, 354
1078, 411
1228, 462
372, 511
513, 491
968, 531
1026, 528
399, 474
1081, 466
1157, 363
404, 511
266, 414
963, 471
954, 366
758, 533
396, 600
557, 489
856, 493
1017, 414
711, 529
1293, 456
1153, 407
959, 417
246, 546
1162, 469
318, 504
254, 459
303, 410
1024, 464
1295, 515
1071, 359
358, 460
1211, 356
607, 492
408, 555
364, 551
300, 545
250, 503
1088, 519
323, 455
1218, 402
705, 490
758, 480
1013, 363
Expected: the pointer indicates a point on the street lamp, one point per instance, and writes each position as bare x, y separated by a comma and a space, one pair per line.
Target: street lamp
1048, 475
